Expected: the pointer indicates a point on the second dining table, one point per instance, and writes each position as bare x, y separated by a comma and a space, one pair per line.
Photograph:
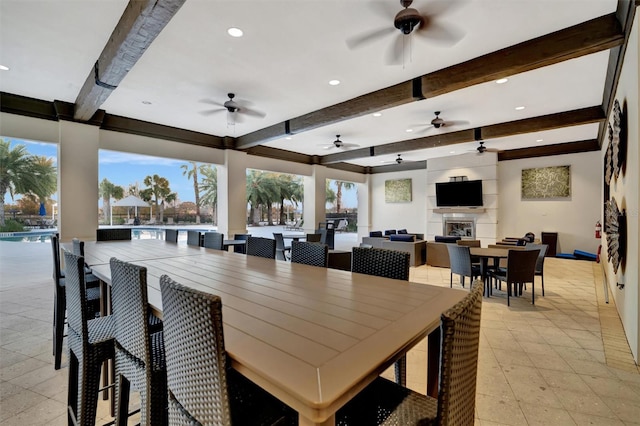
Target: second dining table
312, 337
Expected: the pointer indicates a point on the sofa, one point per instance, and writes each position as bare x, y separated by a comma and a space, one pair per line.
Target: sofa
417, 248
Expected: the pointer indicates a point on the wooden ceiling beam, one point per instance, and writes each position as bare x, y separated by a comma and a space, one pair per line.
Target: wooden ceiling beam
547, 150
546, 122
588, 37
139, 25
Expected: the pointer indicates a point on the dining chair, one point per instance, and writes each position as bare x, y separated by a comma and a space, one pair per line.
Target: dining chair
261, 247
193, 238
214, 240
203, 389
60, 301
241, 248
314, 254
113, 234
283, 252
139, 354
460, 263
471, 243
385, 402
171, 235
91, 343
540, 261
313, 238
521, 266
389, 264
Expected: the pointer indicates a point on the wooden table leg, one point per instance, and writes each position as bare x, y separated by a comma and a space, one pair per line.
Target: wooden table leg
433, 363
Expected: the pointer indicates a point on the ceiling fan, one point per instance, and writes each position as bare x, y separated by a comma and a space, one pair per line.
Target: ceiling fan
482, 149
409, 20
235, 110
397, 160
438, 122
339, 144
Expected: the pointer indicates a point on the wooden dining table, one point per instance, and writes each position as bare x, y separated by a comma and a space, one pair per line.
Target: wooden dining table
312, 337
486, 253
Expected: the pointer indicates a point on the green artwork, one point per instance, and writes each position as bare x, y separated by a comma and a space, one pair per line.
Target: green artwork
546, 183
397, 191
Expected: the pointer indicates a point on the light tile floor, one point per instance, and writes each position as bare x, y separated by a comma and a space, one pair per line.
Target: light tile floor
563, 361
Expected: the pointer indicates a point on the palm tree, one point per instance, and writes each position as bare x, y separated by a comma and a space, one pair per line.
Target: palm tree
108, 191
262, 190
46, 178
340, 184
209, 189
16, 173
330, 196
158, 190
291, 189
191, 172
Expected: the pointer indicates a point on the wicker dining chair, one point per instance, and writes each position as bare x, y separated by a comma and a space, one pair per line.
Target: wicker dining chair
314, 254
261, 247
90, 341
193, 238
283, 251
521, 268
139, 354
313, 238
243, 247
171, 235
384, 402
214, 240
460, 263
389, 264
203, 389
113, 234
60, 301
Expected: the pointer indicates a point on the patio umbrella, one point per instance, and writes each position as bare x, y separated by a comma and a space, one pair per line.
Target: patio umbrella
43, 210
131, 201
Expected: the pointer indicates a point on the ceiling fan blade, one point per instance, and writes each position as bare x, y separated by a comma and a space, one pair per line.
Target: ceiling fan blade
252, 113
456, 122
211, 111
349, 145
368, 37
395, 54
435, 32
211, 102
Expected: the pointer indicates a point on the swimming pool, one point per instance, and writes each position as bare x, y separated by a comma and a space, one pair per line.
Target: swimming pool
44, 236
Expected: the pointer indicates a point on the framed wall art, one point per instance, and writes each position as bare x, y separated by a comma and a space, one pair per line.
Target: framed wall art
397, 191
546, 183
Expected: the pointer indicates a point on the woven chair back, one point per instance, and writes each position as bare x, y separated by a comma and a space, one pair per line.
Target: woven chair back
214, 240
241, 248
381, 262
130, 308
279, 240
468, 243
171, 235
460, 260
113, 234
521, 266
543, 252
460, 328
193, 238
57, 270
261, 247
76, 295
314, 254
78, 247
195, 354
313, 238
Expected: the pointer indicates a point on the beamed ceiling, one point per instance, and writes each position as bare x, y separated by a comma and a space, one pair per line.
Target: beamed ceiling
162, 68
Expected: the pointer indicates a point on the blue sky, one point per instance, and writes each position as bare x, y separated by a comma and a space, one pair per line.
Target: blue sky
124, 169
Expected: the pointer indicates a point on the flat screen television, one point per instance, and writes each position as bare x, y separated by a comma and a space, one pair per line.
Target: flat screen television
466, 193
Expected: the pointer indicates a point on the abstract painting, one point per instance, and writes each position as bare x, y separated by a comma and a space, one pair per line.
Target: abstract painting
397, 191
546, 183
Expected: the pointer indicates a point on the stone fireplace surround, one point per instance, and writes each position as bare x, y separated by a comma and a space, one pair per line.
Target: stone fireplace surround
464, 227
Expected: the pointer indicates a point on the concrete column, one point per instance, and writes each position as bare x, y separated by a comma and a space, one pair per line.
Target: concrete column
78, 181
364, 208
232, 194
315, 198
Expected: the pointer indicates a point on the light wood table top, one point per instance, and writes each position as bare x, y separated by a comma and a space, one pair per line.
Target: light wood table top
313, 337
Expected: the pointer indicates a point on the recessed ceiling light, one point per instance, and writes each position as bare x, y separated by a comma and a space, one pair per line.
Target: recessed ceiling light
539, 140
377, 114
409, 130
235, 32
502, 80
452, 152
288, 138
4, 68
146, 102
519, 108
334, 82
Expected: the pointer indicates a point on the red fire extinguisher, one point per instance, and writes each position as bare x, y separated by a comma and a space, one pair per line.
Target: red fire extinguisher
598, 229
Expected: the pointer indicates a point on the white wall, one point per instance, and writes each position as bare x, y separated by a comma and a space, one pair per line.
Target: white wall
573, 219
625, 191
474, 167
399, 215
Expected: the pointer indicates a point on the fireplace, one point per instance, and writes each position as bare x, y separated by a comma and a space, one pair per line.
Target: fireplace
460, 227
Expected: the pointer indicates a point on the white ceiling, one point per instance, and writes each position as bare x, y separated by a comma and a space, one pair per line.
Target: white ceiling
289, 52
